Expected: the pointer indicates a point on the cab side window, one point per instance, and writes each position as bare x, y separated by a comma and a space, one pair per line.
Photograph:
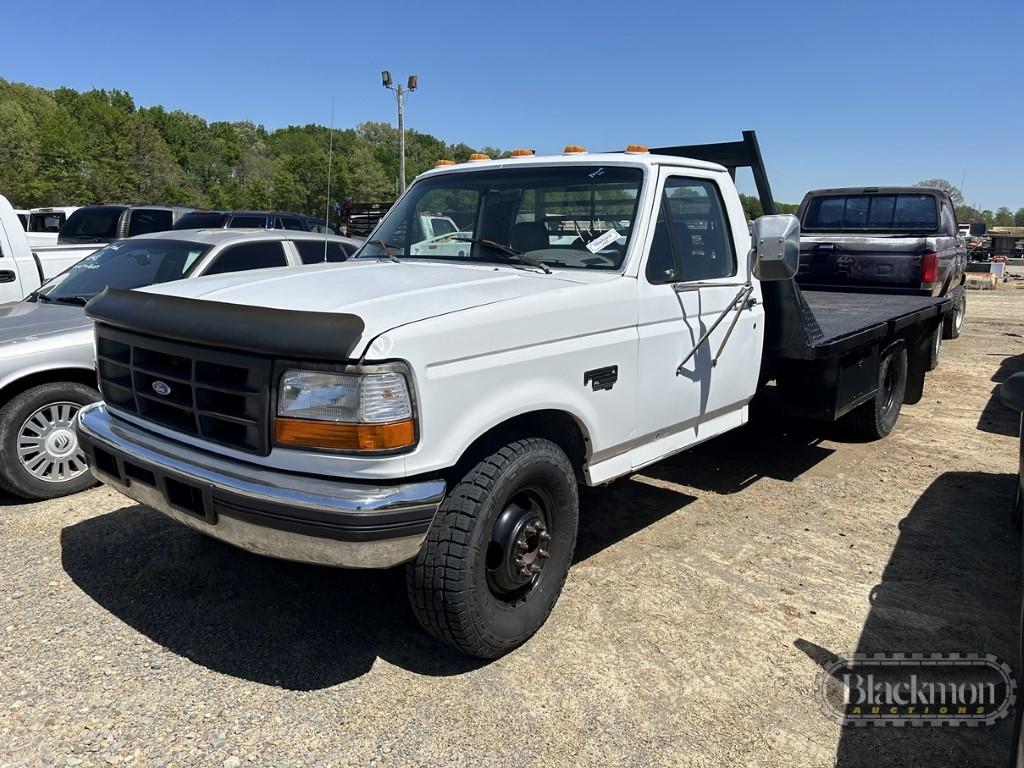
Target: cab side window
143, 221
248, 256
692, 240
315, 251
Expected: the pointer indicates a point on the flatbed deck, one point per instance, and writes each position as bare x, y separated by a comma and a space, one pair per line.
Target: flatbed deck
846, 318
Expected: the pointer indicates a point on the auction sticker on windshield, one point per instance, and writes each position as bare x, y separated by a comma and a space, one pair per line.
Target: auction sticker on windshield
603, 241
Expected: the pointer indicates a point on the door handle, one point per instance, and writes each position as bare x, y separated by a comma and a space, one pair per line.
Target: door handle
7, 276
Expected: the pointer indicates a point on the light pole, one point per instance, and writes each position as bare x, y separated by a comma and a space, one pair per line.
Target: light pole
400, 94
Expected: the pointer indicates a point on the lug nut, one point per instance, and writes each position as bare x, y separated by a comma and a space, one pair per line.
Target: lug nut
542, 553
544, 536
534, 568
522, 546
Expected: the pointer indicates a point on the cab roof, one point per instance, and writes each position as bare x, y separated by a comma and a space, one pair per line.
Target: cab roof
644, 160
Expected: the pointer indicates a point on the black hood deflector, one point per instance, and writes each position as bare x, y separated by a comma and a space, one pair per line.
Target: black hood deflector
329, 336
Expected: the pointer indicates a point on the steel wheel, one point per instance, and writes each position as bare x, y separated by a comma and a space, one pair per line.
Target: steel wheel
519, 546
47, 445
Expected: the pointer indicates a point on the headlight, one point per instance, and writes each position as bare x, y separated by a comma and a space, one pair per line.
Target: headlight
345, 411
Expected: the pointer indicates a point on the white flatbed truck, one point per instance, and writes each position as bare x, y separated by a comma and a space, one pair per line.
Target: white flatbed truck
440, 409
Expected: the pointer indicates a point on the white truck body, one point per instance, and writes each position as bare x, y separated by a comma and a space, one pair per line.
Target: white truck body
506, 372
525, 338
20, 272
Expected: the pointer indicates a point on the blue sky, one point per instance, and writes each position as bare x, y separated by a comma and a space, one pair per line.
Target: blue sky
855, 92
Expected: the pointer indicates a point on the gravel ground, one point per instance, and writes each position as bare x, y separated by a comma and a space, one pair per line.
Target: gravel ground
705, 595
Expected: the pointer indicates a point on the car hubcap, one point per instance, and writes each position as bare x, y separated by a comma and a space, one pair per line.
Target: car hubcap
519, 547
47, 446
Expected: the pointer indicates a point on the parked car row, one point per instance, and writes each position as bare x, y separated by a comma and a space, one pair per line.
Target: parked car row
47, 365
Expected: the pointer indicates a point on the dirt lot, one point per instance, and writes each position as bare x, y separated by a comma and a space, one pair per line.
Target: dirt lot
705, 595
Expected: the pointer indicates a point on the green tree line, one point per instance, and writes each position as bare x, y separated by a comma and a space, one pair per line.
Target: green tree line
63, 147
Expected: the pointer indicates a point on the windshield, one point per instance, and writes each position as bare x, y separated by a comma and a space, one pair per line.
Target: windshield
568, 216
882, 212
125, 264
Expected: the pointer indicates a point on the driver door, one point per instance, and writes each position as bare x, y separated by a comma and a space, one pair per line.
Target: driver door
691, 276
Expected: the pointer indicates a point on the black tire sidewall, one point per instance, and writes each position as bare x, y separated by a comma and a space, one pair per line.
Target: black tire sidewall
886, 417
499, 624
13, 476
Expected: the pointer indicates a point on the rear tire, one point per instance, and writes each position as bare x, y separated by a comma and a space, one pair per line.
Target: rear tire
498, 551
39, 453
876, 418
954, 321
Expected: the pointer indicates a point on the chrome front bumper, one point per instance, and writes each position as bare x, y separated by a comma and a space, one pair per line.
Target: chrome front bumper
266, 511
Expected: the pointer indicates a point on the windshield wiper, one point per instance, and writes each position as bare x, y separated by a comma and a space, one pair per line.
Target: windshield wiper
386, 247
80, 301
506, 249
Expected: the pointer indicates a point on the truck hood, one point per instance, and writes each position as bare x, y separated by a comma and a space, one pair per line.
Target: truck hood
384, 295
28, 320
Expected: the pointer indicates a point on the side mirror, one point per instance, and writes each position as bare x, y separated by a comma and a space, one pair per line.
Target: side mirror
1011, 392
776, 247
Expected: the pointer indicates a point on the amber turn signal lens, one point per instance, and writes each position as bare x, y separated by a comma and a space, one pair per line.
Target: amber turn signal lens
303, 433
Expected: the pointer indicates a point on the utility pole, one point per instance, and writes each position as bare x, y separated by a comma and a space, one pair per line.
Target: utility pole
400, 94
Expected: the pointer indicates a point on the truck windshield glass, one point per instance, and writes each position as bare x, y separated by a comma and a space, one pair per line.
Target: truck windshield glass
124, 264
834, 213
569, 216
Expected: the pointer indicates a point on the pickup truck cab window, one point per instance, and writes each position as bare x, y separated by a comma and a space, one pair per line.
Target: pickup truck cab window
143, 221
239, 258
904, 211
92, 224
691, 236
571, 217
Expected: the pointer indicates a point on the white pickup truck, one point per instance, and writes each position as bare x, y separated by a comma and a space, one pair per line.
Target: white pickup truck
24, 266
21, 271
440, 410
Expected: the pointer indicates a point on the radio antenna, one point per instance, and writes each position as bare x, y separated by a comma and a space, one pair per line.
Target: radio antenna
330, 161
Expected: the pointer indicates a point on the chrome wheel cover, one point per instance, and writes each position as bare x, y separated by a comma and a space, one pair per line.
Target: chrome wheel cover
48, 448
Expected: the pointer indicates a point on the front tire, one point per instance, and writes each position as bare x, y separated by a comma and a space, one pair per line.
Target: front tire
39, 453
498, 551
876, 418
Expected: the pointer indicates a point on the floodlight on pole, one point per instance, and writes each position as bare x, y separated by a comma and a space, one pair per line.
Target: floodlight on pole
400, 94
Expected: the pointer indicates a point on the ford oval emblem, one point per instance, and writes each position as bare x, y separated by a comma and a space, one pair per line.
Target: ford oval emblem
162, 388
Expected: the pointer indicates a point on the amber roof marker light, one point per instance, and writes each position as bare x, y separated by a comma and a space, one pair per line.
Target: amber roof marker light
574, 149
478, 157
521, 153
443, 163
637, 149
